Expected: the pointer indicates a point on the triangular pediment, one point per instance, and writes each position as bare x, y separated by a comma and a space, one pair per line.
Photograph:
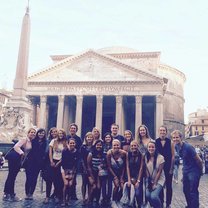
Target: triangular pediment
92, 66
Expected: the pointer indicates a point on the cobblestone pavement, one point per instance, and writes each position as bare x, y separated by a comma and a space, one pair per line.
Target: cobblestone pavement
177, 202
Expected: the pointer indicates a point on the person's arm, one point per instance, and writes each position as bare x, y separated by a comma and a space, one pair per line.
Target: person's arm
51, 155
140, 171
127, 169
157, 177
89, 168
124, 156
172, 158
199, 162
18, 145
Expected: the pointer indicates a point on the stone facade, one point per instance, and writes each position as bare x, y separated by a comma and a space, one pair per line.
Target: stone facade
198, 123
100, 87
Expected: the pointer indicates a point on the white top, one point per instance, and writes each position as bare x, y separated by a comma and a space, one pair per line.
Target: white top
160, 160
57, 149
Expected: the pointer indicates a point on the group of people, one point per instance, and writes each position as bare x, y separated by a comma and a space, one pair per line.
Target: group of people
114, 168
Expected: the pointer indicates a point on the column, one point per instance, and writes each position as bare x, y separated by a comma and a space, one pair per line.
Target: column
59, 123
159, 112
66, 115
138, 113
99, 112
43, 100
119, 110
78, 118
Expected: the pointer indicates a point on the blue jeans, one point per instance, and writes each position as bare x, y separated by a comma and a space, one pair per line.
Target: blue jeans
190, 188
153, 197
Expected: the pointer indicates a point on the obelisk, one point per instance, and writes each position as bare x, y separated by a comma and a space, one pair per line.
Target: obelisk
18, 110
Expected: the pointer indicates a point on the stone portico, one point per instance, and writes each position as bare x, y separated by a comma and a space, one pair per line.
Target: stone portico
101, 87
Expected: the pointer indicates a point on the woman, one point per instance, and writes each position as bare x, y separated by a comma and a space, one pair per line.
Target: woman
85, 149
68, 168
117, 161
35, 162
56, 147
22, 148
96, 133
95, 163
47, 169
128, 137
143, 138
155, 177
136, 169
106, 186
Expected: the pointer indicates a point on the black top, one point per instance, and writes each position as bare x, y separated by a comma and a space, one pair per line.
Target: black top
119, 137
37, 153
69, 159
84, 151
134, 164
165, 151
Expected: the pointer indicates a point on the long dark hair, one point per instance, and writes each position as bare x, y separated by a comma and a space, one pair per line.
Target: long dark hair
39, 131
148, 156
94, 150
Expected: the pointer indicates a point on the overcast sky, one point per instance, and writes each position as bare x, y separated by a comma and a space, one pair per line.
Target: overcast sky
178, 29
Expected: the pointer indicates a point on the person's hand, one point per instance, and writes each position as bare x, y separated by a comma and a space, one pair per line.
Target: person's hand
171, 171
137, 184
52, 164
154, 186
91, 180
129, 183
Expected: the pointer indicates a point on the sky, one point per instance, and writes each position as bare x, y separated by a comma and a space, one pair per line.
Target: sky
178, 29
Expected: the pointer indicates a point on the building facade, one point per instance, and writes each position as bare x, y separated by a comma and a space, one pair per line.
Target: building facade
198, 122
105, 86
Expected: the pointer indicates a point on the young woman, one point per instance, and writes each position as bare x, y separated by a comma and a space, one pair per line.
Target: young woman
107, 142
117, 160
85, 149
155, 177
35, 162
128, 137
22, 147
55, 153
135, 169
106, 186
143, 138
47, 169
68, 168
95, 161
96, 133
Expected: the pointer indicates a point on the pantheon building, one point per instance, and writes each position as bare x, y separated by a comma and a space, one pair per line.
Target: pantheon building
109, 85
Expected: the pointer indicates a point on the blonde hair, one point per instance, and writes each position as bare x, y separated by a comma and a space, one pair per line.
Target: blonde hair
89, 133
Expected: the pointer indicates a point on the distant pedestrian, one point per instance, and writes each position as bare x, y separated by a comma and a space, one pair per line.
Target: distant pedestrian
2, 160
192, 169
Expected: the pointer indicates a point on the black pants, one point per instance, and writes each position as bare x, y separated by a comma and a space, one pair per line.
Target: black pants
169, 190
32, 173
14, 167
